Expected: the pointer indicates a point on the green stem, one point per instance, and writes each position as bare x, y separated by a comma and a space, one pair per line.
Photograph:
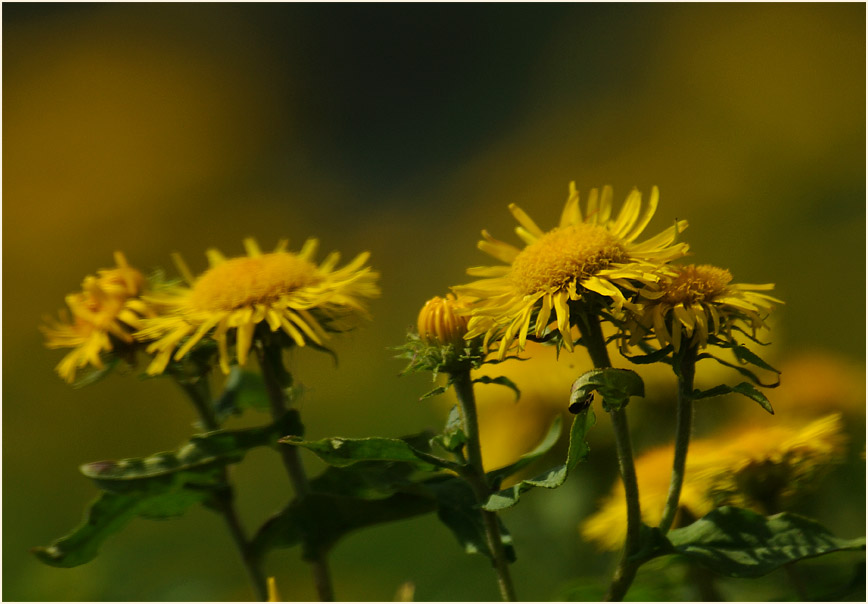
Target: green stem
478, 481
592, 337
224, 499
268, 355
683, 427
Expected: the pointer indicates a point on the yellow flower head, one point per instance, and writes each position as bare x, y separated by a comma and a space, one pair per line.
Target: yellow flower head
283, 290
694, 302
591, 253
608, 526
761, 468
442, 322
105, 313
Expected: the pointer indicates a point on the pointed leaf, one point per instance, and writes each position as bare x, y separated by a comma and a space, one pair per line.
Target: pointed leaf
197, 462
502, 380
545, 445
107, 515
556, 476
652, 357
341, 452
435, 392
743, 388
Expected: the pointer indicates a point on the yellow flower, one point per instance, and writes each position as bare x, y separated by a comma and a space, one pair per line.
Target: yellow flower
283, 290
591, 253
759, 468
608, 526
762, 468
104, 314
442, 322
695, 302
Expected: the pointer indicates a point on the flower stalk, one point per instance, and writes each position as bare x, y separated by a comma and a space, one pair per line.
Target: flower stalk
198, 393
270, 359
477, 479
683, 427
592, 337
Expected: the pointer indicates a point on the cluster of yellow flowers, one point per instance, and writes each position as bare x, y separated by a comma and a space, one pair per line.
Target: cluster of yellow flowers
595, 254
281, 291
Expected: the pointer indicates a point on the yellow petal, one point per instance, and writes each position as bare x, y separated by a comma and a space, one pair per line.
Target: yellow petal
525, 220
650, 210
572, 213
252, 247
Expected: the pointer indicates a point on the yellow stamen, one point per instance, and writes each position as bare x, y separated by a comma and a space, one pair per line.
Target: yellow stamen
563, 255
241, 282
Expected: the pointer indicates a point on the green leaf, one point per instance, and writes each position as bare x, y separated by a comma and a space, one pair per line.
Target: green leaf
458, 510
742, 370
740, 543
502, 380
453, 436
652, 357
545, 445
556, 476
197, 462
435, 392
616, 386
319, 520
107, 515
341, 452
744, 355
743, 388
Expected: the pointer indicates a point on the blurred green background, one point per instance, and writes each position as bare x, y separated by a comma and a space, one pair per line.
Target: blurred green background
403, 130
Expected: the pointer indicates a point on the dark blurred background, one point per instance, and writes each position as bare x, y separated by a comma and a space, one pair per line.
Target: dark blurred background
403, 130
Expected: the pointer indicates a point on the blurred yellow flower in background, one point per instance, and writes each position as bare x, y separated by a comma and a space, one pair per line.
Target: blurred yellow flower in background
590, 253
759, 468
284, 290
698, 301
763, 468
104, 315
817, 382
608, 526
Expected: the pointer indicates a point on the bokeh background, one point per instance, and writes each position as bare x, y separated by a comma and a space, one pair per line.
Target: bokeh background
404, 130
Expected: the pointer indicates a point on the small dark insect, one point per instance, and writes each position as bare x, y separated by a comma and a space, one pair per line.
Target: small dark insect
582, 404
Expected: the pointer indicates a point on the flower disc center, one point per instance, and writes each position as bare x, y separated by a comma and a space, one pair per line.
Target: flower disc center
563, 255
701, 283
241, 282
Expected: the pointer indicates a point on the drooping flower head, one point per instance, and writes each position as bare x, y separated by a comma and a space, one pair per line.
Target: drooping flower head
102, 316
284, 290
695, 302
591, 253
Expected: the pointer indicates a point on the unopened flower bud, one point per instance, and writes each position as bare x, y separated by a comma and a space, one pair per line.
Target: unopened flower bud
443, 321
